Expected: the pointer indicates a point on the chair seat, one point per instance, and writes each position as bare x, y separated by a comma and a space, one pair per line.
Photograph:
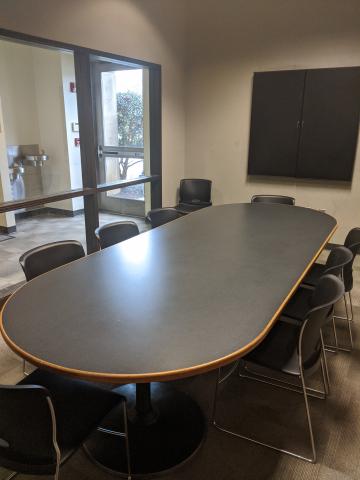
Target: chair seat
279, 349
79, 406
299, 304
316, 271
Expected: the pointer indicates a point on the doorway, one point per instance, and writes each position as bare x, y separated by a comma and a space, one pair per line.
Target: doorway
66, 176
121, 97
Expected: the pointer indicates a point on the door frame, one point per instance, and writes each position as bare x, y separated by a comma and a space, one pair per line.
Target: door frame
91, 186
106, 202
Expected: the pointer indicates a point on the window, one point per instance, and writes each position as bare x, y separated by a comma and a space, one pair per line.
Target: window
121, 95
51, 173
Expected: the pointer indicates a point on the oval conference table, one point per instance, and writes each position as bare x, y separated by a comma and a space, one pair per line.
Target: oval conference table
179, 300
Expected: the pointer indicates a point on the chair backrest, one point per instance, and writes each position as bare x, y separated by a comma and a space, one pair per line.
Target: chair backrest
273, 199
26, 429
160, 216
115, 232
327, 292
337, 259
352, 242
194, 190
42, 259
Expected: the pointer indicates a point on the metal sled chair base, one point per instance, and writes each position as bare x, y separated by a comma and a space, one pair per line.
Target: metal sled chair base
311, 459
12, 475
275, 382
286, 351
235, 366
259, 377
349, 319
272, 447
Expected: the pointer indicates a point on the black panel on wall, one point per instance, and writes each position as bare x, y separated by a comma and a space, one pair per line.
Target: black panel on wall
305, 123
274, 133
330, 124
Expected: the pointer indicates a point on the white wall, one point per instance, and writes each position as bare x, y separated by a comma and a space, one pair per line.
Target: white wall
38, 110
228, 43
51, 117
17, 91
147, 30
18, 112
71, 116
6, 219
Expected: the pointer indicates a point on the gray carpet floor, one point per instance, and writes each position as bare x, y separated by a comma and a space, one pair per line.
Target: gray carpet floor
270, 414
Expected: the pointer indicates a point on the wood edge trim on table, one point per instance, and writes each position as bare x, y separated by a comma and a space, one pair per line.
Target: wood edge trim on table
117, 378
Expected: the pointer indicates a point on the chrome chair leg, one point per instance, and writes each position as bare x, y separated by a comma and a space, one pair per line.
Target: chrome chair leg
260, 377
230, 372
54, 438
127, 447
324, 379
253, 440
217, 383
349, 319
311, 434
25, 373
333, 348
12, 475
124, 435
325, 360
351, 306
335, 333
56, 475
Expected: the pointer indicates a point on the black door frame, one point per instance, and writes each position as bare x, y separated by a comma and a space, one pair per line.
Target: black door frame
91, 188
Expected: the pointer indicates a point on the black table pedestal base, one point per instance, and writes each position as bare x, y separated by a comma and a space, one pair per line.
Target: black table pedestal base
165, 430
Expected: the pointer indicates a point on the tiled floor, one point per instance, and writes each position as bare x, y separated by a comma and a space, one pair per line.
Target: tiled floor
40, 229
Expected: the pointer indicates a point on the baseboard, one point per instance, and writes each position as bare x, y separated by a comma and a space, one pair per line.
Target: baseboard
29, 213
7, 230
63, 212
113, 212
45, 210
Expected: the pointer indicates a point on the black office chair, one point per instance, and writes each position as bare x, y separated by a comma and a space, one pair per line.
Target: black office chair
160, 216
295, 350
298, 306
194, 194
352, 242
42, 259
115, 232
273, 199
46, 417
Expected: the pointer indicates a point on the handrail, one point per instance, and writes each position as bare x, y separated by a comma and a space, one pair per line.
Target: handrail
79, 192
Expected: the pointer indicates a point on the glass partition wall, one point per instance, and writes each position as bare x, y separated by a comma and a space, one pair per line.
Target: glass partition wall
121, 97
80, 145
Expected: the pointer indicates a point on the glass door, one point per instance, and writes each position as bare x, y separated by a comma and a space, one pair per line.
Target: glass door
121, 101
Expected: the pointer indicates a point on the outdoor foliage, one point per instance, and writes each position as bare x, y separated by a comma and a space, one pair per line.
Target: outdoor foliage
130, 119
130, 126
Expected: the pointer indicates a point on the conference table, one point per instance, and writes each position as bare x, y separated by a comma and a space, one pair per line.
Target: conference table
185, 298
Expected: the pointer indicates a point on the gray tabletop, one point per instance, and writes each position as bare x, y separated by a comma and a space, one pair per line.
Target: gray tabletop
183, 298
